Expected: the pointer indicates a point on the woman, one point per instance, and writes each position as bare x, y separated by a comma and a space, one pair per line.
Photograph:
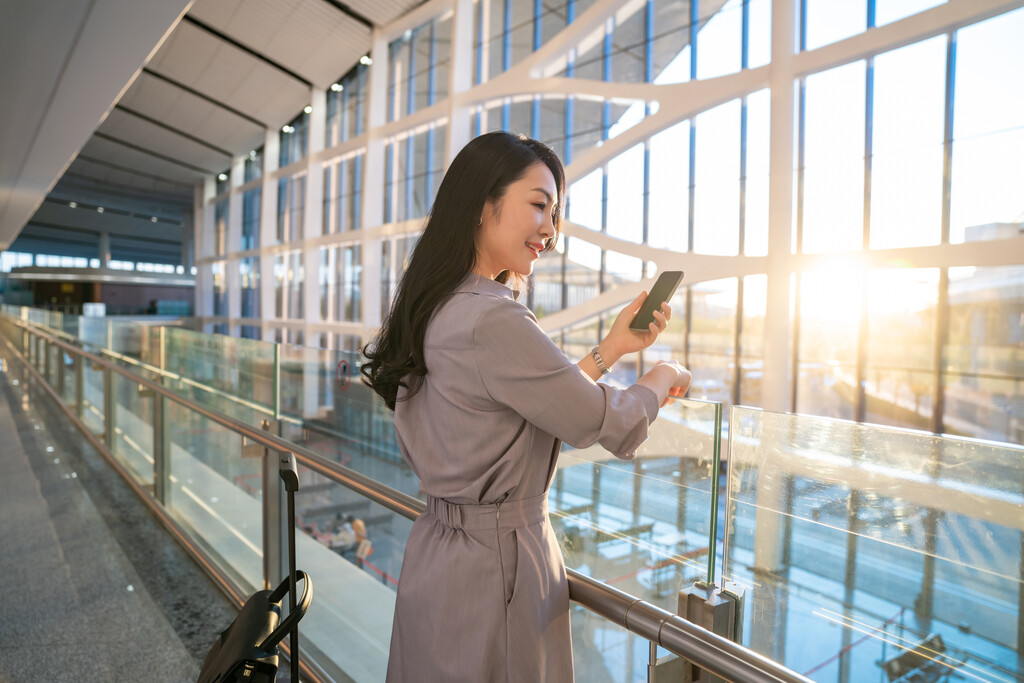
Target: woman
482, 399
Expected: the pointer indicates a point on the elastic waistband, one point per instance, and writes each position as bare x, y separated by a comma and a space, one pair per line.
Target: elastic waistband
509, 514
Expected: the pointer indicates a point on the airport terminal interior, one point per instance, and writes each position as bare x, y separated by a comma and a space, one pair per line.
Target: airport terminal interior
206, 208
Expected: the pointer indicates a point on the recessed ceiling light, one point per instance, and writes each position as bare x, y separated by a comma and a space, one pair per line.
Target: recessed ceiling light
99, 209
73, 205
337, 87
307, 109
222, 176
153, 219
287, 129
365, 60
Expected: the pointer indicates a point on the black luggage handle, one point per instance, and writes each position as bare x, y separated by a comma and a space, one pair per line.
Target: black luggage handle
293, 617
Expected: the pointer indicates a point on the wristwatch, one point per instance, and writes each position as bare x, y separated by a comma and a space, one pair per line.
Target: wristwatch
596, 354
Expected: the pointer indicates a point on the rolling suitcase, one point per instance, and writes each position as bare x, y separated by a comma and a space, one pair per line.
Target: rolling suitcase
246, 651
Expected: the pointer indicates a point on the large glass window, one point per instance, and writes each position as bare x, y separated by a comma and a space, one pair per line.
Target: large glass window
833, 210
418, 67
291, 208
716, 213
830, 306
249, 280
254, 164
669, 199
755, 186
251, 210
294, 140
984, 382
343, 182
220, 228
988, 129
346, 106
626, 195
712, 339
720, 40
828, 21
415, 165
899, 380
350, 303
907, 131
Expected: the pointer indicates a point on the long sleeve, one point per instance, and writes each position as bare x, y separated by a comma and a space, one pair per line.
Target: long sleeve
520, 367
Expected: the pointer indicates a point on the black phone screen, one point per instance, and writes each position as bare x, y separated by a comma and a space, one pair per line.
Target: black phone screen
662, 290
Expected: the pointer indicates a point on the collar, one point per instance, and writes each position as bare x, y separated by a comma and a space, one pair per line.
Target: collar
478, 284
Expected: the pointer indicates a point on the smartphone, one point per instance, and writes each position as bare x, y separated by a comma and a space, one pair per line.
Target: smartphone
662, 290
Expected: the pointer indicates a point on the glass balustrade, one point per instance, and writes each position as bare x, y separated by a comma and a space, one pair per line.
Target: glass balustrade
859, 549
859, 544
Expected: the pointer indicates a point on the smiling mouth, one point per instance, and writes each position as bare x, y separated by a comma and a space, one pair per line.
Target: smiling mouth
535, 249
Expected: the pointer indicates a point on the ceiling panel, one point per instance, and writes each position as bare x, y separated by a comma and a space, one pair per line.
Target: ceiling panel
126, 157
191, 113
133, 130
230, 75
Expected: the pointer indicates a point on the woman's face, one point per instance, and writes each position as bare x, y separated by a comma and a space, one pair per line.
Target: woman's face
515, 229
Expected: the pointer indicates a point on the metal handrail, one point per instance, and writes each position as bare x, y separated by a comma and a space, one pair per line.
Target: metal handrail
720, 656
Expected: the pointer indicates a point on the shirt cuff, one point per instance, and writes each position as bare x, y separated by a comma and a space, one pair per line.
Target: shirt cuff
648, 398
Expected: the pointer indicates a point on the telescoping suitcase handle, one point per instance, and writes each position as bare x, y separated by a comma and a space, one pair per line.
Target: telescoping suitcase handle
294, 615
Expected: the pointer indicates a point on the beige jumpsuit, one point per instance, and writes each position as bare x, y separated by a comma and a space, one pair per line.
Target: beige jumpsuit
483, 593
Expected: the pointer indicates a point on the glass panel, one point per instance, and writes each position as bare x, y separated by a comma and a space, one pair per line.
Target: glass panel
988, 131
583, 271
716, 181
216, 494
546, 283
671, 41
755, 302
829, 326
626, 195
907, 130
900, 381
353, 548
984, 382
234, 376
585, 199
644, 525
888, 11
331, 412
92, 398
603, 651
719, 40
864, 542
829, 21
759, 44
70, 378
669, 203
133, 429
712, 340
834, 160
755, 216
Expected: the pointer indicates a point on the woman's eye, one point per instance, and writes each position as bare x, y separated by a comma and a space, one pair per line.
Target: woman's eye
539, 206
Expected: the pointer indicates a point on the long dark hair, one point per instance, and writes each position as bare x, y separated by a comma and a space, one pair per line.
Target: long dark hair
446, 252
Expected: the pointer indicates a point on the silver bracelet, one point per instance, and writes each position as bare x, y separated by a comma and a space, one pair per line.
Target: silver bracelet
596, 354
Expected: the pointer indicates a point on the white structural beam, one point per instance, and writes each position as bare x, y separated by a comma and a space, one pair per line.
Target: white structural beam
66, 64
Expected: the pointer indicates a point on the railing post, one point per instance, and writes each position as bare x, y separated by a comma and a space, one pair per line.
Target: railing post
79, 387
719, 610
47, 365
273, 511
108, 408
60, 374
161, 451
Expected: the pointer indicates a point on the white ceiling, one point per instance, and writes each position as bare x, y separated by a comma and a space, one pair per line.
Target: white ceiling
129, 103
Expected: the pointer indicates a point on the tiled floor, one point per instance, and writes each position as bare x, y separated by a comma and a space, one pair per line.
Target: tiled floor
91, 586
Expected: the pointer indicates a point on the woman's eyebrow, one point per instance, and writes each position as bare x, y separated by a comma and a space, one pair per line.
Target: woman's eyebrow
545, 192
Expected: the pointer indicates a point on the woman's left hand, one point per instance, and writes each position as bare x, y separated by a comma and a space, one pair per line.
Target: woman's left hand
624, 340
